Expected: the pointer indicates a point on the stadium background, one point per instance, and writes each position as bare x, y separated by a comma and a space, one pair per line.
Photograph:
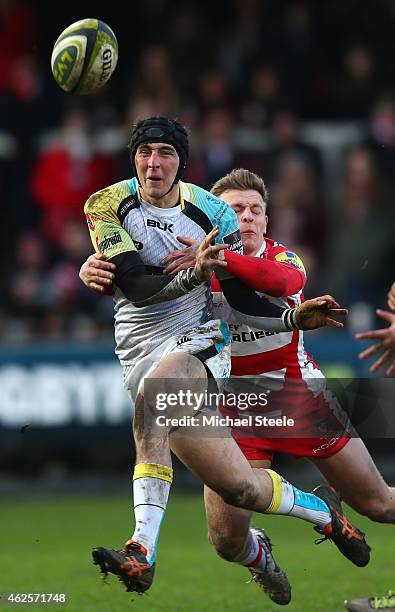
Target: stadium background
301, 92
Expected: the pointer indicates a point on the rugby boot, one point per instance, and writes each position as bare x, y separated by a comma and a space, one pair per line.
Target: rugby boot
129, 564
348, 539
368, 604
272, 580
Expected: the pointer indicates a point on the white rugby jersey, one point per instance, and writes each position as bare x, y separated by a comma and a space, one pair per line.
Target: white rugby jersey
120, 221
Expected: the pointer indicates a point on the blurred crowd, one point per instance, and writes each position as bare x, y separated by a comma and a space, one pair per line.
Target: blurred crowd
301, 92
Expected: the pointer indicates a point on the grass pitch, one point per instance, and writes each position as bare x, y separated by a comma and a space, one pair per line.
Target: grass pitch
45, 546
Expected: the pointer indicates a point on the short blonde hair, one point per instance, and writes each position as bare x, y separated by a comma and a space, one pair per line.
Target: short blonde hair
241, 179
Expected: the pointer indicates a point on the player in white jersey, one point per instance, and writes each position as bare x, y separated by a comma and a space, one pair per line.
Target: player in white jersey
133, 224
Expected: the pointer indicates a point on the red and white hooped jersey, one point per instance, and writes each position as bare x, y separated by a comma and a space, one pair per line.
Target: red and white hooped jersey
296, 385
273, 355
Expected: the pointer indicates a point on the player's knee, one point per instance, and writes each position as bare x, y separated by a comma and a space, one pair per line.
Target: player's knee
226, 544
240, 494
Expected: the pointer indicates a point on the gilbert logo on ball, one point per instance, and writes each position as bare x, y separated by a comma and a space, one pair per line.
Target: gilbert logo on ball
84, 56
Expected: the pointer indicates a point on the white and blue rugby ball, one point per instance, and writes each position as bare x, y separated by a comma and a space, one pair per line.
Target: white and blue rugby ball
84, 56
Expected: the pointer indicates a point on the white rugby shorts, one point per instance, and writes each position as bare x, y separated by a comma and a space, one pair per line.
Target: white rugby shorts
210, 343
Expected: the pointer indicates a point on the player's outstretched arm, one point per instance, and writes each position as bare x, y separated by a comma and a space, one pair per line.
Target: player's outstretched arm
385, 347
256, 311
98, 274
319, 312
247, 305
143, 289
261, 314
275, 278
127, 271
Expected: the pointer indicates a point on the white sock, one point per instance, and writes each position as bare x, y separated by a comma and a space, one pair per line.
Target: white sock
288, 499
151, 488
253, 554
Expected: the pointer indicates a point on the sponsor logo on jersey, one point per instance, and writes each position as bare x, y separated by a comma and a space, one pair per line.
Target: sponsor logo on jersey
165, 227
252, 336
139, 245
234, 242
126, 206
183, 339
108, 241
290, 258
91, 218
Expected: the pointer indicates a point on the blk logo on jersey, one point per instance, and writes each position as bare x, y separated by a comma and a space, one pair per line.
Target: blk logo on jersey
165, 227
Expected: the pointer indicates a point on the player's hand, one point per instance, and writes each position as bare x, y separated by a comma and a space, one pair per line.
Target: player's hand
181, 259
97, 274
319, 312
207, 256
385, 346
391, 297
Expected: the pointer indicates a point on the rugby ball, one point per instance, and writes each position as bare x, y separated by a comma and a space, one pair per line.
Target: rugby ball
84, 56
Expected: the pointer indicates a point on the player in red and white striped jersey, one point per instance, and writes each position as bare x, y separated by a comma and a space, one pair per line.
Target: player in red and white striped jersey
297, 384
280, 359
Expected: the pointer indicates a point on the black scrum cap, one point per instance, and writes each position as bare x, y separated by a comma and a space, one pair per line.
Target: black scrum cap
161, 129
